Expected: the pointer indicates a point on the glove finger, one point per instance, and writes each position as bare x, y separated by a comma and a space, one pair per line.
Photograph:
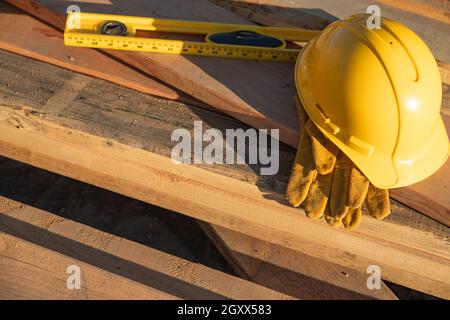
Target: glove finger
324, 151
357, 188
330, 219
377, 202
352, 219
303, 172
317, 199
339, 188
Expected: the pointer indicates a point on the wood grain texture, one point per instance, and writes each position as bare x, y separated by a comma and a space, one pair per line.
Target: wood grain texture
36, 247
39, 41
241, 89
276, 13
305, 281
427, 196
434, 9
431, 196
268, 264
97, 136
256, 92
438, 10
291, 272
305, 287
444, 68
434, 32
268, 13
406, 255
28, 271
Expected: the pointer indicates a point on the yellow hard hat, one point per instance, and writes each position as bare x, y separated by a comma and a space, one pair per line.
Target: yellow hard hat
376, 94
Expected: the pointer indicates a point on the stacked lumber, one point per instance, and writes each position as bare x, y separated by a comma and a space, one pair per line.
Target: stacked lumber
289, 271
242, 89
174, 234
37, 247
42, 42
430, 197
96, 136
125, 147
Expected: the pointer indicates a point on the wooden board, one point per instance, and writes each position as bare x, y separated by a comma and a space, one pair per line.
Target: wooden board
257, 93
172, 233
39, 41
97, 136
28, 271
415, 260
272, 13
431, 196
24, 279
43, 245
302, 283
438, 10
284, 13
414, 15
306, 286
289, 271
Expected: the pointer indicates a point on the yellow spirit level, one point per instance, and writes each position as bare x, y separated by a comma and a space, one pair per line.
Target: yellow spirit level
156, 35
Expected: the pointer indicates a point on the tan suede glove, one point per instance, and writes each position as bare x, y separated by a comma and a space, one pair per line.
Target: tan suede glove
327, 182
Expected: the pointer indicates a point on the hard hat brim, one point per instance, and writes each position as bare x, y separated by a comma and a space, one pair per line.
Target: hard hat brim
378, 169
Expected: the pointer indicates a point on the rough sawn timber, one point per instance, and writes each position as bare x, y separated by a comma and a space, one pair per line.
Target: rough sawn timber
257, 93
431, 196
118, 139
40, 41
37, 247
313, 278
289, 271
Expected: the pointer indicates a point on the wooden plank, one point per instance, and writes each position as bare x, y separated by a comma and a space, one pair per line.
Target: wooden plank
434, 9
276, 13
304, 287
444, 68
289, 271
406, 255
39, 41
314, 290
268, 13
241, 89
438, 10
30, 42
28, 271
110, 213
431, 196
124, 145
111, 267
429, 29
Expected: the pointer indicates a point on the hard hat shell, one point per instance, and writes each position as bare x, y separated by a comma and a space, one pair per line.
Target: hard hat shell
376, 94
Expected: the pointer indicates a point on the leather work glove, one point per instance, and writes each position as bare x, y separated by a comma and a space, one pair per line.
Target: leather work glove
327, 182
